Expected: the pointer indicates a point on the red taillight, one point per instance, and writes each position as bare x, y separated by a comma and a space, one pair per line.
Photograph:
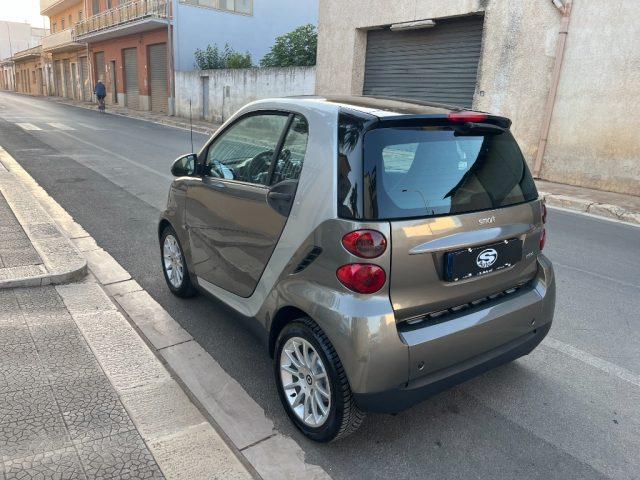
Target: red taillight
365, 243
543, 238
544, 213
362, 277
463, 117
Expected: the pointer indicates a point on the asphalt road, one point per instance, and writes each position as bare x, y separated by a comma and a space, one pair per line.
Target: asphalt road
568, 410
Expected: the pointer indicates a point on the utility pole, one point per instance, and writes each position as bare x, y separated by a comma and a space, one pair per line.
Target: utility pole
9, 34
13, 65
172, 88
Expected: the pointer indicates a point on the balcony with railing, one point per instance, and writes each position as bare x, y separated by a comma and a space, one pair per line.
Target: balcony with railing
129, 18
60, 42
53, 7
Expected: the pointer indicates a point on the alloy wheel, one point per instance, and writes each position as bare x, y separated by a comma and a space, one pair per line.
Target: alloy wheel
173, 263
305, 382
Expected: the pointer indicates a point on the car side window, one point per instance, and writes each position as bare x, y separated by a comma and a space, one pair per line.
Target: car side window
245, 151
291, 157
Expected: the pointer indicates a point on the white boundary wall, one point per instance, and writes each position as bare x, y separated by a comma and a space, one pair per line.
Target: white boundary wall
228, 90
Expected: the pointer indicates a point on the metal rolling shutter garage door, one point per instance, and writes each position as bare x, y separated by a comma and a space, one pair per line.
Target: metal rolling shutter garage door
131, 77
437, 64
84, 79
158, 66
99, 67
57, 77
68, 92
74, 80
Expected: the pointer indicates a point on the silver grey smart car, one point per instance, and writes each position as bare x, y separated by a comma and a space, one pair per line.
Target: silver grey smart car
386, 249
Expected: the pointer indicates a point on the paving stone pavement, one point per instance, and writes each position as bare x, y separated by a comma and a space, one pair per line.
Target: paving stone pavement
82, 395
16, 249
60, 417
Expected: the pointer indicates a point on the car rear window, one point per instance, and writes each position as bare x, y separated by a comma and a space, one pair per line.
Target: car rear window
429, 171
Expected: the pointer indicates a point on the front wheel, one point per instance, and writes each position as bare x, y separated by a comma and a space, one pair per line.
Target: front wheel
312, 383
174, 265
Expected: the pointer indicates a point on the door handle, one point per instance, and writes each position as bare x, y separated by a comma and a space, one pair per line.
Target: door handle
279, 196
217, 185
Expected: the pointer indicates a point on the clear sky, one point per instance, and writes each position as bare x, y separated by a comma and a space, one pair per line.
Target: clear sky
22, 11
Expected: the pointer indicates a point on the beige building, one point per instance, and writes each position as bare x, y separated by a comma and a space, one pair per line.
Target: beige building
29, 67
69, 70
500, 56
7, 76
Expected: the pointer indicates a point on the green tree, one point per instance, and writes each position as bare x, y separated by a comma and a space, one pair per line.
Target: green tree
211, 58
294, 49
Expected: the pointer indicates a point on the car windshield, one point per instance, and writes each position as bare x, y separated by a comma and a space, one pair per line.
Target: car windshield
429, 171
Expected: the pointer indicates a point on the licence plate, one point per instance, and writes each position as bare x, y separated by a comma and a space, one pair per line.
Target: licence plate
472, 262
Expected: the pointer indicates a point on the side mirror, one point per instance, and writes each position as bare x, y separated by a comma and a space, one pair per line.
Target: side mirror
185, 166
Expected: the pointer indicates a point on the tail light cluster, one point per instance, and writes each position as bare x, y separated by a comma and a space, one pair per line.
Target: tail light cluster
363, 277
365, 243
543, 235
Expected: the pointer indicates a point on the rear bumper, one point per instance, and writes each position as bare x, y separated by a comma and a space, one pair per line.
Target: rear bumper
401, 398
472, 342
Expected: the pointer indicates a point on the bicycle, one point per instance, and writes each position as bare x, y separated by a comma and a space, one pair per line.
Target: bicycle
101, 105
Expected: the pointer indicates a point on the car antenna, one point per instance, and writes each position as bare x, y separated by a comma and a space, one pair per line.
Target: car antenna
191, 125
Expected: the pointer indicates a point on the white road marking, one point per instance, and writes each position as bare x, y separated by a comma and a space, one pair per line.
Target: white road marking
91, 127
593, 361
9, 117
61, 126
28, 126
124, 159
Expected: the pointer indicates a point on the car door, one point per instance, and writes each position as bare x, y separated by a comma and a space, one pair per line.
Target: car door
236, 212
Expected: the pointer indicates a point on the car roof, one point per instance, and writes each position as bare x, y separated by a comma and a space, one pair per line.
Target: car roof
380, 106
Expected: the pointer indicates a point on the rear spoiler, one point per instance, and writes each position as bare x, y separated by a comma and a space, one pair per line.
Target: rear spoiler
462, 118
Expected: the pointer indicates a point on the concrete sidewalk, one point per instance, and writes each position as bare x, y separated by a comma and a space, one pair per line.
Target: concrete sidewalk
81, 393
596, 202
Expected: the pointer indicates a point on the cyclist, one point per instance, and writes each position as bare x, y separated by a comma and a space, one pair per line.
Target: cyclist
101, 93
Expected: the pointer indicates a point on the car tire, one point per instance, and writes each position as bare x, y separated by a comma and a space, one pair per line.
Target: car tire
343, 416
178, 280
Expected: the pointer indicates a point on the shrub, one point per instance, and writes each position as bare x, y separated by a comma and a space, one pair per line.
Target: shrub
212, 58
294, 49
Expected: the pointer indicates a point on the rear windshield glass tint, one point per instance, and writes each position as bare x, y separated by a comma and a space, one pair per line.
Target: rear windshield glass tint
427, 171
